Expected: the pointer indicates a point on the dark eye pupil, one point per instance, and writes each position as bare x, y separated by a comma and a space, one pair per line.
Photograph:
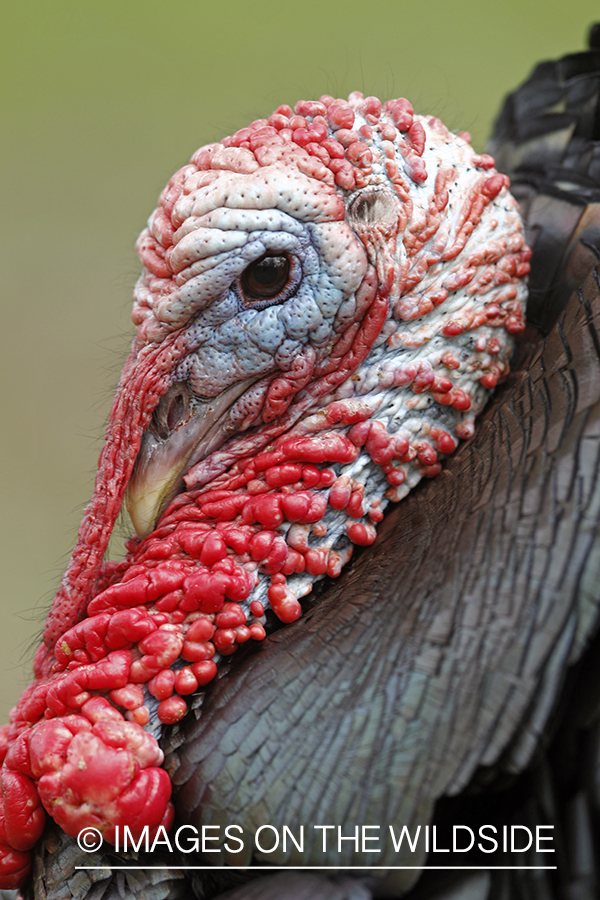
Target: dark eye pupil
266, 277
270, 270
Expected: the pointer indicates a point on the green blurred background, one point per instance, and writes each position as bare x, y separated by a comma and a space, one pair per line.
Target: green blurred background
100, 103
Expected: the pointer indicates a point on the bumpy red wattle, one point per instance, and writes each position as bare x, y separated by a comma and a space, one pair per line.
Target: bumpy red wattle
428, 294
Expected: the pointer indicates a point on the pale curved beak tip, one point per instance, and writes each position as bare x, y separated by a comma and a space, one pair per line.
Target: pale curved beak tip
144, 504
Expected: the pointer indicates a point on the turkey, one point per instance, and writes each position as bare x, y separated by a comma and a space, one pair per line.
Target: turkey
328, 298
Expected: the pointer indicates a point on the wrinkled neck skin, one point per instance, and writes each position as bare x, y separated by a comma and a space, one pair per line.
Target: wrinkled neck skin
263, 421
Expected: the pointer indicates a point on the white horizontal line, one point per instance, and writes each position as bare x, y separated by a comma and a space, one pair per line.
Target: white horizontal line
313, 868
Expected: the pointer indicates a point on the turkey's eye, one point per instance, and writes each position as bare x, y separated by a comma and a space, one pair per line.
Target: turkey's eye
265, 278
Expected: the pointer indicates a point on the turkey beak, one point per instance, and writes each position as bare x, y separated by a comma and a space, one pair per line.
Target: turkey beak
184, 430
